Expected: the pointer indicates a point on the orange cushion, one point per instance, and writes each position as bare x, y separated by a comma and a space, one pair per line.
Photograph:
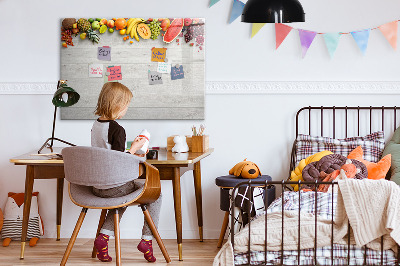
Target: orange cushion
375, 170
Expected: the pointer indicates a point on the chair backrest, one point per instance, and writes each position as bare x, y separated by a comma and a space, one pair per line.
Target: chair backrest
92, 166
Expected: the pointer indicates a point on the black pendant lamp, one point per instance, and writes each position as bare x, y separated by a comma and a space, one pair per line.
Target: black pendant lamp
273, 11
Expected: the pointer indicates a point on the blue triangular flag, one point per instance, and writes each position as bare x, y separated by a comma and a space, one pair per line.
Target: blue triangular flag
332, 41
237, 9
213, 2
361, 37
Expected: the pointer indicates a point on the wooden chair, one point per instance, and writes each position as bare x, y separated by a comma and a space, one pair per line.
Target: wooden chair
85, 167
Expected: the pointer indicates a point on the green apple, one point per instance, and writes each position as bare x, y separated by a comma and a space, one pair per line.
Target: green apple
95, 25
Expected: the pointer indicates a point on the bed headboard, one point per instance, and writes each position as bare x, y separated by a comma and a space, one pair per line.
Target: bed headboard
344, 121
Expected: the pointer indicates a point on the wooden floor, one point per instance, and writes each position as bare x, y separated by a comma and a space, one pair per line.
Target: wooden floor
50, 252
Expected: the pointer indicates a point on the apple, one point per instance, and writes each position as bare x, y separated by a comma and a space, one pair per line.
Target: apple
95, 25
110, 23
64, 44
75, 25
187, 21
75, 31
103, 21
165, 24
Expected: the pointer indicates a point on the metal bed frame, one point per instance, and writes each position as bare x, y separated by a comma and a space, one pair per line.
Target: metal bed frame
284, 183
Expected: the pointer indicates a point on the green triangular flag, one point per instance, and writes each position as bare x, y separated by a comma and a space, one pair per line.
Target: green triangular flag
213, 2
255, 28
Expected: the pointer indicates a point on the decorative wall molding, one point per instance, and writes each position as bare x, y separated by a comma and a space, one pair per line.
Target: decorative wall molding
250, 87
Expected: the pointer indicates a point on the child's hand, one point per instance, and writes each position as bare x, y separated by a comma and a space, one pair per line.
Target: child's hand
137, 144
143, 155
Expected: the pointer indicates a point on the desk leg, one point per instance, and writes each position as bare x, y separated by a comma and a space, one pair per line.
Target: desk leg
60, 190
197, 189
176, 182
27, 206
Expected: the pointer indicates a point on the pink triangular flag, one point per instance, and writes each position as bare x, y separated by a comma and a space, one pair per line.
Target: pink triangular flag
306, 39
389, 30
281, 31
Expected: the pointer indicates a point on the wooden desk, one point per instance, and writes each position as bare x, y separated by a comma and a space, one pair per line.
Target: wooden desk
168, 164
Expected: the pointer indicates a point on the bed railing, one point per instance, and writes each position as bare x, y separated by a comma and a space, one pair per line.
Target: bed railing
265, 185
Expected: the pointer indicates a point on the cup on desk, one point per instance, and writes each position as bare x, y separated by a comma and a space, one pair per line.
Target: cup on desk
152, 155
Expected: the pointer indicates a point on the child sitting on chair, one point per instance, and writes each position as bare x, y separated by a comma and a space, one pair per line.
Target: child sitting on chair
106, 133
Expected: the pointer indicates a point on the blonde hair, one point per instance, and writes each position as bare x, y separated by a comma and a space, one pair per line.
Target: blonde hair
113, 97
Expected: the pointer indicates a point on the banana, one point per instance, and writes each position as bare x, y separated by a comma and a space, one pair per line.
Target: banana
129, 23
133, 28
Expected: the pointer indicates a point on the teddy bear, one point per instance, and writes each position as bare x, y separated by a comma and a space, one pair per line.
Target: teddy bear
13, 215
245, 169
180, 144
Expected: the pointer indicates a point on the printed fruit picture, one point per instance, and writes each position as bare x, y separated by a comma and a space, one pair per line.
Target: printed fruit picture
170, 29
174, 30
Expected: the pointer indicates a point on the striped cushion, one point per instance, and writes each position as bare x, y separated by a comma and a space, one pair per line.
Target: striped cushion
13, 228
372, 145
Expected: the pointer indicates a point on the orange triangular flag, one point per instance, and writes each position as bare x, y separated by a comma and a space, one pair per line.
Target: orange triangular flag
389, 30
281, 31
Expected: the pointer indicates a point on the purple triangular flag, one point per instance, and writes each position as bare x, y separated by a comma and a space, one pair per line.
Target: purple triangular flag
306, 39
237, 8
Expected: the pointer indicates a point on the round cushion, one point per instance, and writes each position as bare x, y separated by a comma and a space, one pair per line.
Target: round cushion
230, 181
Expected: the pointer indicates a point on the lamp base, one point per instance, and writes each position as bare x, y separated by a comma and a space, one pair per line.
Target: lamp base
50, 146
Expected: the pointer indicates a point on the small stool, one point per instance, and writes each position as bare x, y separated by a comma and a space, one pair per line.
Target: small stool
226, 183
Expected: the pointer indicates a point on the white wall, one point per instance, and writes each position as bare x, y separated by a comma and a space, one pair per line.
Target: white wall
259, 127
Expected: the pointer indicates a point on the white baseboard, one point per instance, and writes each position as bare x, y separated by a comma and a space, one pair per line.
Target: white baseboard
248, 87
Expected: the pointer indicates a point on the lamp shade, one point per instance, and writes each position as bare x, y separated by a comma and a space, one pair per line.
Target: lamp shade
273, 11
62, 101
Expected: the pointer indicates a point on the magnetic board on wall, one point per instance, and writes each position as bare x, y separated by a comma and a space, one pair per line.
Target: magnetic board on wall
170, 89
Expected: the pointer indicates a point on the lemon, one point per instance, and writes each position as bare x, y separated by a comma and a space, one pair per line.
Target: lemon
103, 29
122, 32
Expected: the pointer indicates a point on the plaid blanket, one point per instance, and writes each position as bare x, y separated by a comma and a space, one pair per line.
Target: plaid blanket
323, 205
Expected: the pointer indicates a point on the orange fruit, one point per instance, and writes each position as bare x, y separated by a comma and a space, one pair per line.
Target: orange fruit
120, 23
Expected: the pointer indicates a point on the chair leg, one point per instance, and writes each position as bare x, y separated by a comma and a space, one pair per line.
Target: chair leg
154, 230
223, 229
101, 222
117, 239
73, 237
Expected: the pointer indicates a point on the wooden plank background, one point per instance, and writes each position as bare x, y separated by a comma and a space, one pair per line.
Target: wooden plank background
174, 99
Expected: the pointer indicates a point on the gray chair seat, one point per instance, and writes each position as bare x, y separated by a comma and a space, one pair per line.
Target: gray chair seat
83, 196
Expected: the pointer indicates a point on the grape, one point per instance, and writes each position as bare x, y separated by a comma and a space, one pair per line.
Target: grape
155, 29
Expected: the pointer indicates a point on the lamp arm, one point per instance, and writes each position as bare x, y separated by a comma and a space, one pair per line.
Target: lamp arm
54, 126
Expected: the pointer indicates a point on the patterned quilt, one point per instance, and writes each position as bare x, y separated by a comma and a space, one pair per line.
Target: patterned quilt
321, 205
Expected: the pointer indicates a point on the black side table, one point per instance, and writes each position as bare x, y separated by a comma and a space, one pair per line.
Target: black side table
228, 182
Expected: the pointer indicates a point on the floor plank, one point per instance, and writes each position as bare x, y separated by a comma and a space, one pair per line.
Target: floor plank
49, 252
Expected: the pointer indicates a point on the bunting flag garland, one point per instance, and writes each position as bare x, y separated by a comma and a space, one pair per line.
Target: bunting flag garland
213, 2
306, 39
389, 30
237, 8
281, 31
255, 28
332, 41
361, 37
